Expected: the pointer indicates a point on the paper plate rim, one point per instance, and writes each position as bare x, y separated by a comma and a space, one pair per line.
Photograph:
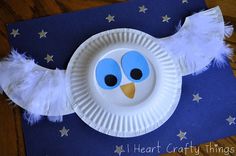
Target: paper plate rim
112, 133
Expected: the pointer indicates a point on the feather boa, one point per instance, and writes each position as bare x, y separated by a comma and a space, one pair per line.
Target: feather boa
38, 90
199, 41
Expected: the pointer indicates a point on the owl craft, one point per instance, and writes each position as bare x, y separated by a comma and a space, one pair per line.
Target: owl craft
121, 82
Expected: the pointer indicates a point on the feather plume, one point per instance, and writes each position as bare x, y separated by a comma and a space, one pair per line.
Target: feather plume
228, 30
199, 41
31, 118
38, 90
55, 118
35, 118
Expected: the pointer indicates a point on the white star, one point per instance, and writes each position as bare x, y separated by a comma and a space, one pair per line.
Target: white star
64, 131
165, 19
49, 58
231, 120
110, 18
119, 150
196, 97
184, 1
42, 34
15, 32
143, 9
182, 135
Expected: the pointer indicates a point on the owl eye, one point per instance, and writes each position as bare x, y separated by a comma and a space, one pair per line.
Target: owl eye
108, 74
136, 74
111, 80
135, 66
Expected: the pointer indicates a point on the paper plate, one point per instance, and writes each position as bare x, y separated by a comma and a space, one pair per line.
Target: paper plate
122, 83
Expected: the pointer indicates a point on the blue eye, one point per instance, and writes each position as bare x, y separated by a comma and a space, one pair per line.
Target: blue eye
108, 74
135, 66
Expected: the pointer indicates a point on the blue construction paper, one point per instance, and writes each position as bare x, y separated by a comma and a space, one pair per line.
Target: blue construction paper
67, 31
204, 121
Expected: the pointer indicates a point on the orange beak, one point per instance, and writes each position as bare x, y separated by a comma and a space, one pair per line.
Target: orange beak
128, 90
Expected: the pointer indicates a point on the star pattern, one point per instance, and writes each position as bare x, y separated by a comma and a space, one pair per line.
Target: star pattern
15, 32
64, 131
231, 120
143, 9
182, 135
42, 34
197, 98
184, 1
110, 18
49, 58
166, 18
119, 150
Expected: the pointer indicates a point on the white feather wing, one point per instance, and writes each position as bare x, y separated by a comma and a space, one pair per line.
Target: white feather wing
38, 90
199, 42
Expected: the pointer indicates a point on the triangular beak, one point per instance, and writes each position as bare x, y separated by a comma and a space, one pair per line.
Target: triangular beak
128, 90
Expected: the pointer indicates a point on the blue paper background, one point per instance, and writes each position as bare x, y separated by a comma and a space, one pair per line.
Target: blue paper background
203, 122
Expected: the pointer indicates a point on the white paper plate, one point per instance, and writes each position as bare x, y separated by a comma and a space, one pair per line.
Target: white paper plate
111, 111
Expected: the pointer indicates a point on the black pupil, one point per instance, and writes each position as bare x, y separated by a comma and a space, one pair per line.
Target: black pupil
110, 80
136, 74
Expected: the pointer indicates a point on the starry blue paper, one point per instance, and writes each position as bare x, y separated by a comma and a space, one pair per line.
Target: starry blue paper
204, 121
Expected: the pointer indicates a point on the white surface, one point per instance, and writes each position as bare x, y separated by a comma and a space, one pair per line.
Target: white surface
115, 114
38, 90
198, 42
